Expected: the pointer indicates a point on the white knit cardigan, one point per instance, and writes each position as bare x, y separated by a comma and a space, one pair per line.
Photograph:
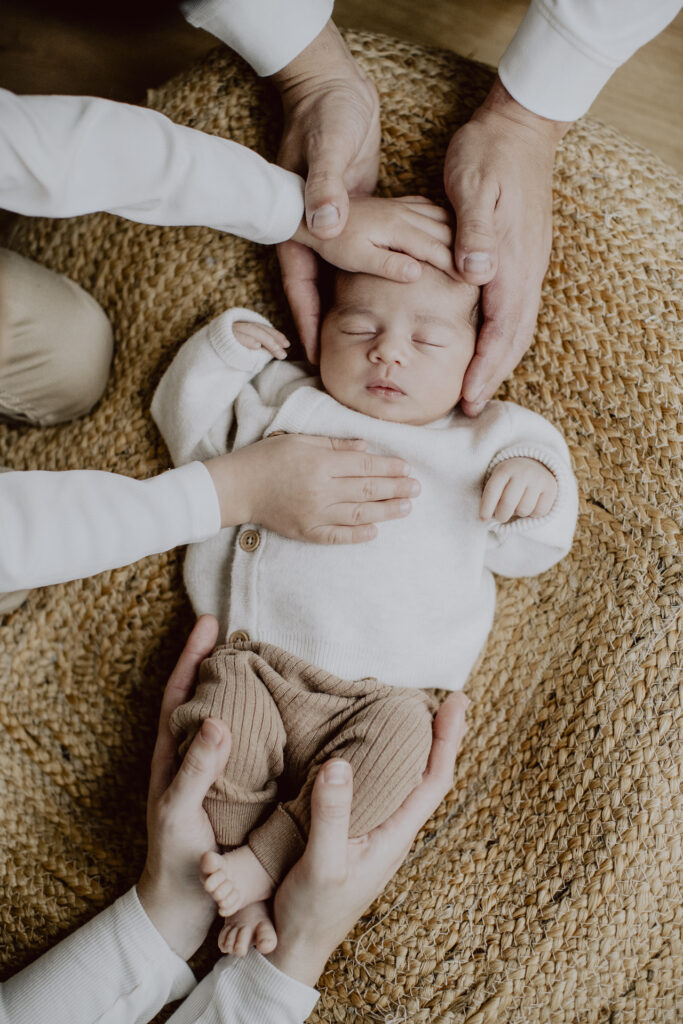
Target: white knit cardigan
412, 607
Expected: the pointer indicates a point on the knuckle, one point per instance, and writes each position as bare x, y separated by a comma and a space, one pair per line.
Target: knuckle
368, 490
357, 515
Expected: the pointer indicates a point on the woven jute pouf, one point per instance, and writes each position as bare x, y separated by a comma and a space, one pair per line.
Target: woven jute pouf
548, 885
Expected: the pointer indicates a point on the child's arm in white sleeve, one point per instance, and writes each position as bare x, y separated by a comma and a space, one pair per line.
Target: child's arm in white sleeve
530, 545
193, 404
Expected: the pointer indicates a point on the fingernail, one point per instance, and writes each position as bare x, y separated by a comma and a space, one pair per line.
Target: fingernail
405, 508
467, 700
337, 773
415, 488
411, 272
477, 262
211, 734
407, 470
326, 216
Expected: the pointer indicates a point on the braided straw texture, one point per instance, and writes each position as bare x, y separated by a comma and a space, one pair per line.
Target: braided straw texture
548, 885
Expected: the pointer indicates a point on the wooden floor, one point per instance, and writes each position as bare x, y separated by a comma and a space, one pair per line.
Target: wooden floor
644, 99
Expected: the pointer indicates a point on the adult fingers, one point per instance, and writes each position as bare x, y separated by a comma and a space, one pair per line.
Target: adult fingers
448, 731
201, 766
364, 464
425, 208
338, 534
198, 646
424, 246
373, 511
509, 320
326, 850
437, 227
374, 489
299, 267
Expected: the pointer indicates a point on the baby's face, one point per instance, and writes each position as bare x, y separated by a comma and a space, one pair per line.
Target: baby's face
399, 351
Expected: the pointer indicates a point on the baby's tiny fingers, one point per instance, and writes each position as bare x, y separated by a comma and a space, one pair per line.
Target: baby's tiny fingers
491, 496
509, 499
527, 503
544, 504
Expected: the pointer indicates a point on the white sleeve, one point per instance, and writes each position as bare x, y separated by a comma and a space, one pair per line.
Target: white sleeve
268, 34
526, 547
245, 992
63, 526
116, 969
193, 404
565, 50
62, 156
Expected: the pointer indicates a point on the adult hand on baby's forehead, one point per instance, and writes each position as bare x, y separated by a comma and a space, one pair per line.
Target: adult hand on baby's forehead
389, 238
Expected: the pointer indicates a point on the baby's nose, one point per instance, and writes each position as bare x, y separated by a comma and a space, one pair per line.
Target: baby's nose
389, 347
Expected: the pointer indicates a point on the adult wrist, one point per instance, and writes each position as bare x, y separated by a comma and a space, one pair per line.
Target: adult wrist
298, 958
181, 918
232, 484
501, 104
325, 57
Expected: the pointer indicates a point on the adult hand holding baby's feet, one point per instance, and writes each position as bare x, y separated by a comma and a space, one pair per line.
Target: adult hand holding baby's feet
337, 878
519, 487
179, 830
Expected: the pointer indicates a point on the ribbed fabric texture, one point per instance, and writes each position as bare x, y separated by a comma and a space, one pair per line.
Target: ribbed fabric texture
287, 718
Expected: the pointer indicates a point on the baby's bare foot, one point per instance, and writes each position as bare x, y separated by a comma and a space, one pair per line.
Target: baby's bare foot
250, 926
235, 879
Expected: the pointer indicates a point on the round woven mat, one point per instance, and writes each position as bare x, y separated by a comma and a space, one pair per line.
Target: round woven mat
548, 885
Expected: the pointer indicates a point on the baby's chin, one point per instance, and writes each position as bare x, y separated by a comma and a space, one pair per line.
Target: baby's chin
398, 410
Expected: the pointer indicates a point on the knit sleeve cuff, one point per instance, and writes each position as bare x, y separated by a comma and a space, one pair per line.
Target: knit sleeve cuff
227, 347
268, 34
550, 72
566, 486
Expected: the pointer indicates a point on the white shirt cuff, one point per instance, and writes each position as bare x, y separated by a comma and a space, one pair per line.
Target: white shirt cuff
545, 72
135, 928
268, 34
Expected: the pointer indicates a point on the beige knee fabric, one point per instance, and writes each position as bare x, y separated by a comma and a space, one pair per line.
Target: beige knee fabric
56, 344
288, 717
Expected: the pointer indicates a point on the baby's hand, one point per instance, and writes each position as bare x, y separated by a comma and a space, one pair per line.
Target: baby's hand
518, 487
253, 335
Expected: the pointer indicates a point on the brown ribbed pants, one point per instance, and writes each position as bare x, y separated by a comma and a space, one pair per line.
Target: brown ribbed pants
287, 718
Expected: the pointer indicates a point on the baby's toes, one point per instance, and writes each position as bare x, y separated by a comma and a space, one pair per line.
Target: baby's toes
211, 862
243, 940
265, 938
226, 939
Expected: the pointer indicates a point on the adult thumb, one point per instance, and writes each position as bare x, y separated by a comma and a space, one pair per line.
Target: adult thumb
330, 815
204, 760
476, 248
326, 198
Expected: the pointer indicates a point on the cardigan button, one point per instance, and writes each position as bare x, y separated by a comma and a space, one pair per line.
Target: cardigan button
238, 634
250, 540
